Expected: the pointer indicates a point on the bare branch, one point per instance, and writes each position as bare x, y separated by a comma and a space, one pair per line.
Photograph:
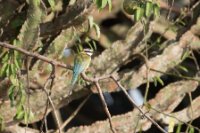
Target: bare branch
74, 113
43, 58
135, 105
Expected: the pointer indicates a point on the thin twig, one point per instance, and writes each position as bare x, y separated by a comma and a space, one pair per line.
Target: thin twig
195, 61
190, 97
51, 77
145, 59
135, 130
179, 76
56, 116
38, 56
74, 113
28, 90
54, 109
104, 105
175, 118
135, 105
96, 82
170, 10
45, 112
45, 123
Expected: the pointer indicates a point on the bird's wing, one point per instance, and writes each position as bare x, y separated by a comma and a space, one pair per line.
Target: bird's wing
78, 65
81, 62
78, 68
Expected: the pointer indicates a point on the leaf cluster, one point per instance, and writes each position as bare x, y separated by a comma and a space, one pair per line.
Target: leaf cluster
141, 9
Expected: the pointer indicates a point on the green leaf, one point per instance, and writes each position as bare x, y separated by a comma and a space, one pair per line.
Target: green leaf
92, 24
79, 48
13, 69
3, 69
110, 5
98, 3
90, 45
8, 70
11, 94
178, 130
20, 113
183, 68
94, 44
52, 4
148, 8
14, 80
36, 2
2, 125
130, 6
160, 80
28, 116
103, 3
185, 55
22, 97
16, 62
156, 10
97, 29
139, 13
91, 21
6, 58
155, 82
181, 22
191, 130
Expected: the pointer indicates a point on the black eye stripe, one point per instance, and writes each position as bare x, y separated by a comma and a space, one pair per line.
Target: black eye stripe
88, 50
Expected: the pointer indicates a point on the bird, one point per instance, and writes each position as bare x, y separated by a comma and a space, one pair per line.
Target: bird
81, 63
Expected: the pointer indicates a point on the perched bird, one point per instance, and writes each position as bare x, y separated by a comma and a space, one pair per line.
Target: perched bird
81, 63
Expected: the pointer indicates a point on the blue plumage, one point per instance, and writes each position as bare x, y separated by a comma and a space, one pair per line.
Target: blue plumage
78, 68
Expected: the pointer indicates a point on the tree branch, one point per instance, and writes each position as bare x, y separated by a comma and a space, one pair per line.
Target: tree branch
43, 58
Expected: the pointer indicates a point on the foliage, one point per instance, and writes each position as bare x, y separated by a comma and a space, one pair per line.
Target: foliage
93, 24
11, 61
52, 4
141, 8
2, 126
102, 4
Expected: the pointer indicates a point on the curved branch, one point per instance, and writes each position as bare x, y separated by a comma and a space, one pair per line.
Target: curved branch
38, 56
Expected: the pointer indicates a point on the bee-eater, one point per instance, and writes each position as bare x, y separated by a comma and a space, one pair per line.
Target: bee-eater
81, 63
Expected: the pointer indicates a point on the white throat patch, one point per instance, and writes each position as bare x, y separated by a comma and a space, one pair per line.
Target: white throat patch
88, 52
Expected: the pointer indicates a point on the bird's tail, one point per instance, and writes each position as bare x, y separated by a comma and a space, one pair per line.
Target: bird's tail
71, 85
74, 79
